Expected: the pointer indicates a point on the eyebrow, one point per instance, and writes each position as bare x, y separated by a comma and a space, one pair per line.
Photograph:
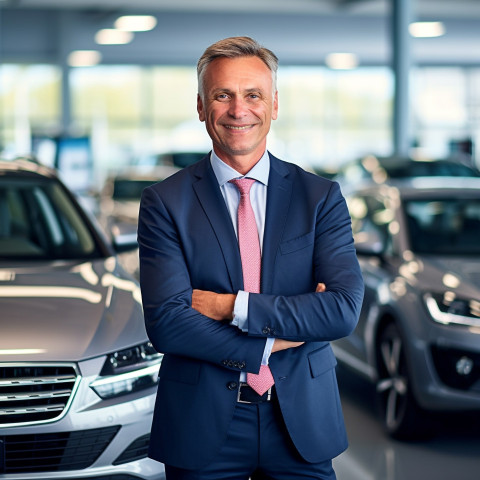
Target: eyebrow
227, 90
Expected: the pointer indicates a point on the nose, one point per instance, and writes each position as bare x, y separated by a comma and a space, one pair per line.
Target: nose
237, 107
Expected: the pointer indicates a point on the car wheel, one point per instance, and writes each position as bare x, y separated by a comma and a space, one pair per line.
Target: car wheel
402, 418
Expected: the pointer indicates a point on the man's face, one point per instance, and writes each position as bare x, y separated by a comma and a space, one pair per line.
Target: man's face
237, 107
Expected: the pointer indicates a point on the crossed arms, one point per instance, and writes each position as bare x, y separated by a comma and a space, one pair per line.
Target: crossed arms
170, 264
219, 306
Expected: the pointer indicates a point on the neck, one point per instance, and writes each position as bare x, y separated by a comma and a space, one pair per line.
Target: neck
240, 163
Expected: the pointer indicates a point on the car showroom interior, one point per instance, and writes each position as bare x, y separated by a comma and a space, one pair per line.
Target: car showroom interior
98, 101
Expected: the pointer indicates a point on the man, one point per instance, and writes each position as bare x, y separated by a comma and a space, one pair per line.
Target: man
229, 323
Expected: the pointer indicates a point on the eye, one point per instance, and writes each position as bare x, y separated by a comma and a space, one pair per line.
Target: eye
222, 96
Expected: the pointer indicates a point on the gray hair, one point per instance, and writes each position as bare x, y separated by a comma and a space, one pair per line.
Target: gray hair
234, 47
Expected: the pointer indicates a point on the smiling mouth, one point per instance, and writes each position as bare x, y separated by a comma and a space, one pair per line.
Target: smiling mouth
233, 127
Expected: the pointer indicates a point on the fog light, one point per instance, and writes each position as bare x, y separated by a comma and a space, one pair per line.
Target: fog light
464, 366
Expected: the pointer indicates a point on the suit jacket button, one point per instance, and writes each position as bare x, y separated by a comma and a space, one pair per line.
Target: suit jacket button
230, 363
266, 330
232, 385
225, 362
241, 365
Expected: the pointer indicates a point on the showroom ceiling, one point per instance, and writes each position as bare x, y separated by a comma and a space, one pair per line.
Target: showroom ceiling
456, 8
301, 32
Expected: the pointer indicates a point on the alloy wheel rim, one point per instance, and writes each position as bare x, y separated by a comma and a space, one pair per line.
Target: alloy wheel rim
393, 388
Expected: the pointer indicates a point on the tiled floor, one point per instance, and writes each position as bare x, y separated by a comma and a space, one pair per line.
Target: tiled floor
453, 453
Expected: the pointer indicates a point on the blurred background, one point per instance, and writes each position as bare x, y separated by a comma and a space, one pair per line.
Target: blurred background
380, 95
89, 95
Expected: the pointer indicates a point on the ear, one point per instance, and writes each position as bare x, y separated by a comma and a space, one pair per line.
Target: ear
275, 106
200, 109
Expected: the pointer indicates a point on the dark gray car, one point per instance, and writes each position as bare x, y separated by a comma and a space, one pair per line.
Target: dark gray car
77, 374
418, 337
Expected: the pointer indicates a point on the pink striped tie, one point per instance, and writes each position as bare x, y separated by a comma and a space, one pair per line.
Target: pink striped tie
251, 266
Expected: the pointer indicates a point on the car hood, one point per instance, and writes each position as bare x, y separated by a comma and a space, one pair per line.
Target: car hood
68, 311
455, 273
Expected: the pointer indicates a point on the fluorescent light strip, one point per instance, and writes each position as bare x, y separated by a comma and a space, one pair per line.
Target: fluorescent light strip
22, 351
341, 61
136, 23
426, 29
36, 291
84, 58
112, 36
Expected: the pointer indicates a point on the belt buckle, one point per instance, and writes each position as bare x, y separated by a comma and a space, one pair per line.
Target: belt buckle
243, 384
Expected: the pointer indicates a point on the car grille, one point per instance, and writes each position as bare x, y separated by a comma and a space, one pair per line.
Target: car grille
33, 393
53, 452
135, 451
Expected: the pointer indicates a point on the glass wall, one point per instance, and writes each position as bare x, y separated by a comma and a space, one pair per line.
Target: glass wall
131, 113
30, 101
445, 108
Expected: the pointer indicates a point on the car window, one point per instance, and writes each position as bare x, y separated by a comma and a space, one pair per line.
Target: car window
431, 169
125, 189
444, 225
371, 220
39, 220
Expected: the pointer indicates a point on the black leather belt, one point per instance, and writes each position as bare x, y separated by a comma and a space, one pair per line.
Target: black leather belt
247, 394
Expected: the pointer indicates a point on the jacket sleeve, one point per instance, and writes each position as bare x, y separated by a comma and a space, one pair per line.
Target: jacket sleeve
317, 316
173, 326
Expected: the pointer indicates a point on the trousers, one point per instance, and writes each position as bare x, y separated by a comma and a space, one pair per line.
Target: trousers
257, 447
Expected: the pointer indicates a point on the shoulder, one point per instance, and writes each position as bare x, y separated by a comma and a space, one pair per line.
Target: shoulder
302, 177
181, 181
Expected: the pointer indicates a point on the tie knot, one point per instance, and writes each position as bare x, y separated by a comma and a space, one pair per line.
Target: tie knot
243, 184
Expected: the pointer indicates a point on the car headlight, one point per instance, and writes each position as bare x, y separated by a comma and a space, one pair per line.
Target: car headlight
447, 308
128, 371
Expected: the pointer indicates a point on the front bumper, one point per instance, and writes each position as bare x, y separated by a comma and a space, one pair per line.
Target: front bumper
438, 381
95, 439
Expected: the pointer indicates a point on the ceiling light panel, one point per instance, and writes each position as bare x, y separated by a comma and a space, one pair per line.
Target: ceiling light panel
136, 23
342, 61
426, 29
84, 58
112, 36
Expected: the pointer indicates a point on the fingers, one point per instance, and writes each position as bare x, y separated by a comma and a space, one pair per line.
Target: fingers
321, 287
281, 344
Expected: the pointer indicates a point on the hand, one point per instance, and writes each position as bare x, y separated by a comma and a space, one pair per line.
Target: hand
217, 306
281, 344
321, 287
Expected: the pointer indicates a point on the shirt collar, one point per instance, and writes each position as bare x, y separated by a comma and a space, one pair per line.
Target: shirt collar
225, 173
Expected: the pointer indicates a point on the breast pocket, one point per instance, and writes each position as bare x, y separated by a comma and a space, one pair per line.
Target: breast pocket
297, 243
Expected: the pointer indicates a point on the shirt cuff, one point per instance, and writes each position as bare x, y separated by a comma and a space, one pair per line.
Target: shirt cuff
240, 311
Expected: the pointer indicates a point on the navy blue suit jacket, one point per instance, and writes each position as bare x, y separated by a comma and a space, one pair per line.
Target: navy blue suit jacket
187, 242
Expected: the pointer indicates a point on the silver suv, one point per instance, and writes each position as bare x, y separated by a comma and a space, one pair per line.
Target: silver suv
418, 242
77, 374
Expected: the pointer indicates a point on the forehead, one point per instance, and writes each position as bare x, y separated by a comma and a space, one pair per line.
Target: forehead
246, 72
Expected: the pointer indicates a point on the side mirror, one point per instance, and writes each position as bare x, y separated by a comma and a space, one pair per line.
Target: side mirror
125, 242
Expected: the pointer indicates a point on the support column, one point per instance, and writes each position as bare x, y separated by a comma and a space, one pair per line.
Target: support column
65, 98
401, 64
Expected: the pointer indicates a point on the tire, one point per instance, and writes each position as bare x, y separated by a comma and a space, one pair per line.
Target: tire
402, 417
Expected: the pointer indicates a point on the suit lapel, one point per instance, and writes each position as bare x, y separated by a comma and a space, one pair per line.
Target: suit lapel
278, 200
210, 197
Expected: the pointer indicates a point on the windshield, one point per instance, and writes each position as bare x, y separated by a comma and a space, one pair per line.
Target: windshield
430, 169
444, 226
39, 221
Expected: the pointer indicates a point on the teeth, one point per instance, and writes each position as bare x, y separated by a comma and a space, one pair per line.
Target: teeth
237, 128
